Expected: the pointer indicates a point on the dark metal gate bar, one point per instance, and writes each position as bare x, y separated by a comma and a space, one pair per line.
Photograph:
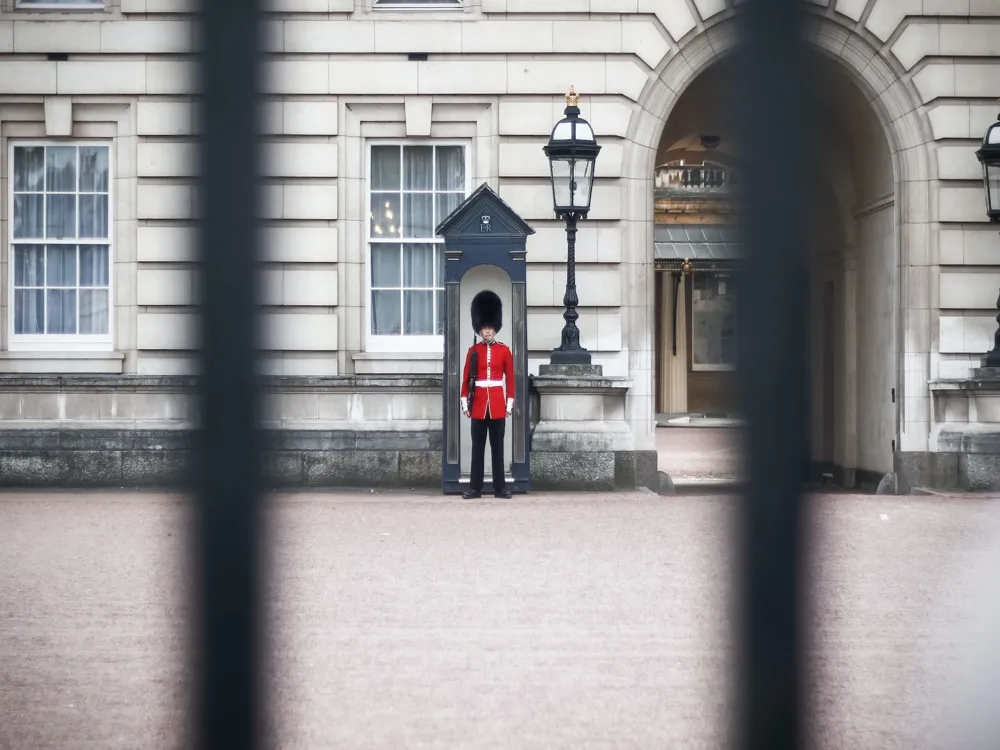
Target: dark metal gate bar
773, 120
773, 304
228, 451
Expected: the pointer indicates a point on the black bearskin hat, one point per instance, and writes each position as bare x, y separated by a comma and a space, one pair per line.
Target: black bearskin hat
487, 310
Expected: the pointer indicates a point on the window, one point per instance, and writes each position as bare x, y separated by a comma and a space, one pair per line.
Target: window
713, 322
60, 246
412, 188
61, 4
400, 4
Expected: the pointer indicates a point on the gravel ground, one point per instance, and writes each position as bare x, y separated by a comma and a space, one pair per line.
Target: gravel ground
553, 621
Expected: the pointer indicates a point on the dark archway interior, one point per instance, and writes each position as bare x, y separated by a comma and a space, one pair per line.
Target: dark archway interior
852, 244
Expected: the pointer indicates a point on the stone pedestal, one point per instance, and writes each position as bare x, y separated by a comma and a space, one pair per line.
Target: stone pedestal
581, 440
965, 436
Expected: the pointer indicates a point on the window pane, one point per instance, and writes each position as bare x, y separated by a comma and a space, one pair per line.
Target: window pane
28, 216
441, 312
29, 311
446, 203
418, 215
418, 167
94, 265
94, 311
60, 216
60, 173
93, 169
61, 311
713, 320
76, 3
440, 267
385, 215
583, 182
561, 178
29, 265
61, 265
385, 266
419, 313
386, 316
94, 216
29, 168
450, 168
386, 168
418, 266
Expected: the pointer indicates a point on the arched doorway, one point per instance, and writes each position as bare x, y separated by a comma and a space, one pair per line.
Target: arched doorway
871, 139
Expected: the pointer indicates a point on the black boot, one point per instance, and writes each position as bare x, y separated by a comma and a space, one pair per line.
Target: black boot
505, 494
471, 494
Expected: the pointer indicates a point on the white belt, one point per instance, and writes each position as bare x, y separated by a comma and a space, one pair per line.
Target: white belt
489, 383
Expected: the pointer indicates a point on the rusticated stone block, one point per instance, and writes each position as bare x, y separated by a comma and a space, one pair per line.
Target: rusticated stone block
980, 472
351, 468
19, 468
419, 468
924, 469
573, 471
284, 469
160, 469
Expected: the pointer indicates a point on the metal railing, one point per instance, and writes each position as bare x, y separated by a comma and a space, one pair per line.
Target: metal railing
694, 178
229, 485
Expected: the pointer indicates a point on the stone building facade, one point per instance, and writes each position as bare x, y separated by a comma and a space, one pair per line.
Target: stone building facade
380, 116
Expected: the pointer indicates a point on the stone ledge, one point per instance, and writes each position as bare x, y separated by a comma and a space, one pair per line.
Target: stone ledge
569, 383
183, 439
84, 363
393, 363
964, 384
347, 383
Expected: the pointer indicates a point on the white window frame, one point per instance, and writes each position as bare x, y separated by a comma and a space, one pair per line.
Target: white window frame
405, 344
418, 5
56, 5
61, 342
707, 367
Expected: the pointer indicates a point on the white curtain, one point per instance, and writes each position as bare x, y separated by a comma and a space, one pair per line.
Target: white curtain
413, 189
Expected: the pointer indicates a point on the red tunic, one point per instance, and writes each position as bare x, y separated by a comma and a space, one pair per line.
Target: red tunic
494, 364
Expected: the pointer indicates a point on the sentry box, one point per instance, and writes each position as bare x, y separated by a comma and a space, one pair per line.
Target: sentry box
485, 249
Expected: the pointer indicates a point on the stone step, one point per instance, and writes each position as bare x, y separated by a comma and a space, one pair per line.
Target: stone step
681, 485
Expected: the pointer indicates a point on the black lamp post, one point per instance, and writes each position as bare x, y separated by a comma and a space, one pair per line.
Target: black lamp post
572, 151
989, 157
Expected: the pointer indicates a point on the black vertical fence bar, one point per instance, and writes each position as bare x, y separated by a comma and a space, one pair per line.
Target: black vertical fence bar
771, 95
228, 453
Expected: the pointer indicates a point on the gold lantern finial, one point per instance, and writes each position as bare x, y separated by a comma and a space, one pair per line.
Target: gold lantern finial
572, 98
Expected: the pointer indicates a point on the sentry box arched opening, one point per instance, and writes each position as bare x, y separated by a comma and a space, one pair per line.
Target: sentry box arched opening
485, 249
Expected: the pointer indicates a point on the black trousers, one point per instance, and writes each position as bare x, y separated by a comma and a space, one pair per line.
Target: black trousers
480, 429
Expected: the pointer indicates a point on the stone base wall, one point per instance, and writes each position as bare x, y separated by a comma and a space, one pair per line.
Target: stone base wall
163, 459
346, 431
970, 472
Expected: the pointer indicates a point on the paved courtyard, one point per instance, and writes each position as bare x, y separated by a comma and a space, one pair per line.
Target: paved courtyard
410, 621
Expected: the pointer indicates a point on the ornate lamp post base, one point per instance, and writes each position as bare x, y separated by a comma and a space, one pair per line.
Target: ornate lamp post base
570, 352
570, 357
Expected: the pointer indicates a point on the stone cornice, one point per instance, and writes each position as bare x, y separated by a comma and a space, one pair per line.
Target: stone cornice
270, 383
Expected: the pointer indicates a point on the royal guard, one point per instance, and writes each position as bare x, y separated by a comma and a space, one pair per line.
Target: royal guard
485, 400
